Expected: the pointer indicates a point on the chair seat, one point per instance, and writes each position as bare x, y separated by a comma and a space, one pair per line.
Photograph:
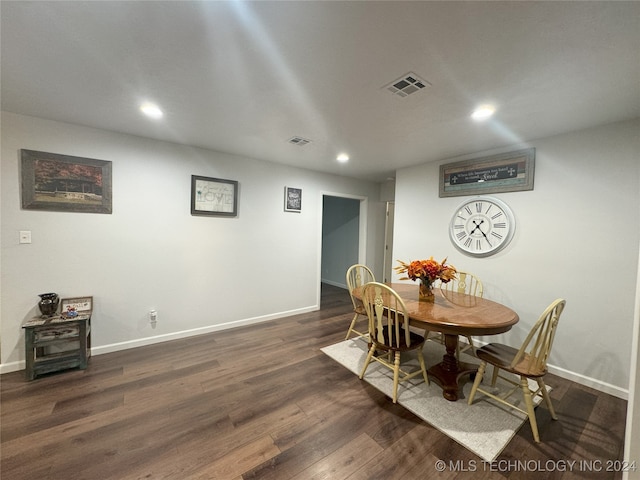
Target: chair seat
416, 342
360, 310
502, 355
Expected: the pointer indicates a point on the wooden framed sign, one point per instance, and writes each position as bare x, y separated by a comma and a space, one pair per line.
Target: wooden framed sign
506, 172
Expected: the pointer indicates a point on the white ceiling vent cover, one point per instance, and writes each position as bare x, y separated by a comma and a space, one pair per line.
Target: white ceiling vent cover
407, 84
299, 141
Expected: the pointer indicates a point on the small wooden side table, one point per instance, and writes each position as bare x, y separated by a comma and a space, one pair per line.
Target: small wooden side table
56, 343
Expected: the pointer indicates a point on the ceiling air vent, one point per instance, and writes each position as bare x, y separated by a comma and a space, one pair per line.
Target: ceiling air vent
407, 84
299, 141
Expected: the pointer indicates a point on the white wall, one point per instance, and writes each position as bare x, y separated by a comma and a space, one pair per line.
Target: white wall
199, 273
577, 237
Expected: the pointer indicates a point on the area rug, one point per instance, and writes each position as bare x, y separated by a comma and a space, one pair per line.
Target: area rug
485, 428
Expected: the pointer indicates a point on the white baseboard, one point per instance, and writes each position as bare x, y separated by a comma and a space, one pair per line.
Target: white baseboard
115, 347
590, 382
12, 366
141, 342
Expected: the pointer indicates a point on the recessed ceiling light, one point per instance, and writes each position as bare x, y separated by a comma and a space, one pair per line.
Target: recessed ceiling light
343, 157
483, 112
151, 110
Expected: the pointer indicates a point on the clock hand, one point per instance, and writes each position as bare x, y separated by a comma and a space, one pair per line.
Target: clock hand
485, 236
477, 226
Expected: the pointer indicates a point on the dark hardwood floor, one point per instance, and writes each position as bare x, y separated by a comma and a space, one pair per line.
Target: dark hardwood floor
263, 402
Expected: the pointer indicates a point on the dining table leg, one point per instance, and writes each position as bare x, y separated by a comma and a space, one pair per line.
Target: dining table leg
450, 371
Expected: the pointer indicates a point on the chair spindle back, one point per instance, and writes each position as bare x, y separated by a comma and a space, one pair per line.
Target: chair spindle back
357, 276
388, 317
464, 283
537, 345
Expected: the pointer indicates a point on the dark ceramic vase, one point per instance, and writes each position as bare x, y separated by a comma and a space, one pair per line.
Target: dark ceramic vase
48, 304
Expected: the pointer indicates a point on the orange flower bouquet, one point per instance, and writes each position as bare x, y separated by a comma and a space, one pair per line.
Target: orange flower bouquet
427, 271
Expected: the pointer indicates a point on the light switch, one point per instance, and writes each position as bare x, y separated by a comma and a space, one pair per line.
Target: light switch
25, 236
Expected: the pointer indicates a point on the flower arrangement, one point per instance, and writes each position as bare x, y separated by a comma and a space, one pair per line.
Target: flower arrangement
427, 271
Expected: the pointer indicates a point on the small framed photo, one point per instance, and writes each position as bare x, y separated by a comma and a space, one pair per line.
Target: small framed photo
292, 199
72, 307
214, 196
64, 183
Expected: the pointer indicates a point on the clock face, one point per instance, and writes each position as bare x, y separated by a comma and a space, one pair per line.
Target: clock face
482, 226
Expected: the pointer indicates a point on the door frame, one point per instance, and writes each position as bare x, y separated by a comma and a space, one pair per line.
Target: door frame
362, 231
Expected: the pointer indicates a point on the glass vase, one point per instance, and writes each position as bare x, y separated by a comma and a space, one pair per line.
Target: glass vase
425, 292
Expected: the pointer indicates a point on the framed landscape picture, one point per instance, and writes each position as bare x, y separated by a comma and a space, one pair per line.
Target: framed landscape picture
65, 183
214, 196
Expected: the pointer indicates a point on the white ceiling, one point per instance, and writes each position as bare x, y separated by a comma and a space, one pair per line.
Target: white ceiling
244, 77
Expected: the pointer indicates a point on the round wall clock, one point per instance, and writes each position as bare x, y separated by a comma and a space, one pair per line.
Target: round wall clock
482, 226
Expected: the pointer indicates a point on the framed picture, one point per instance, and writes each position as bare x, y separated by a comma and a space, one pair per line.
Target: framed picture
79, 305
506, 172
65, 183
214, 196
292, 199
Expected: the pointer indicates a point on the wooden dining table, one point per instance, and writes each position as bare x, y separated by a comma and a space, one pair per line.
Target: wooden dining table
453, 314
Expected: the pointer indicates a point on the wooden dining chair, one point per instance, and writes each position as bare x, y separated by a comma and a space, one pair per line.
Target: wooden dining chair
530, 361
390, 334
463, 283
357, 276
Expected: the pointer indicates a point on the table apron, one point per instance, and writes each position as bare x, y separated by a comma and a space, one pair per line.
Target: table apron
462, 330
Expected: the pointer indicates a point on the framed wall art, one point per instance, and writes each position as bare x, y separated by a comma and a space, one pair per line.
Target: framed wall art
79, 307
506, 172
64, 183
292, 199
214, 196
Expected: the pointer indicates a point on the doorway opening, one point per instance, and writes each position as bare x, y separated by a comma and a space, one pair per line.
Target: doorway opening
343, 240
